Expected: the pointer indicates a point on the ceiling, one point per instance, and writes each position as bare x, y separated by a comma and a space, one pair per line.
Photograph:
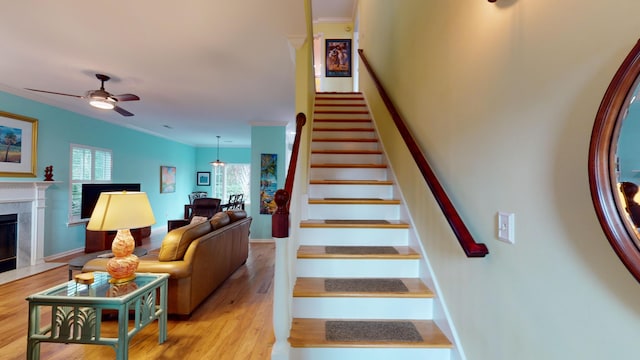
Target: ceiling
206, 69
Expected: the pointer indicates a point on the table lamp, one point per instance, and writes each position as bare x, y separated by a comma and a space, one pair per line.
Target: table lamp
121, 211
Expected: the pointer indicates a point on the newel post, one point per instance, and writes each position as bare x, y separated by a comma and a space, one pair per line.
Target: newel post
280, 219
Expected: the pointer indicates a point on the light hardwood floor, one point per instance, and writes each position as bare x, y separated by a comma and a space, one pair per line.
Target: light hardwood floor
235, 322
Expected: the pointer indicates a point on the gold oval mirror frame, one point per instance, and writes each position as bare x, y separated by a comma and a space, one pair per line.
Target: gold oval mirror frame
603, 163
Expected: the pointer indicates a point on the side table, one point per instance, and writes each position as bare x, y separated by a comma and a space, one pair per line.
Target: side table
78, 309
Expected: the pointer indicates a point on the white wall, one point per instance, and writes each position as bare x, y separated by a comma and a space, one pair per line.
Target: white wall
502, 97
334, 31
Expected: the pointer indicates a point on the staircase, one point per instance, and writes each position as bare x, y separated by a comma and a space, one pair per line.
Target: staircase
358, 292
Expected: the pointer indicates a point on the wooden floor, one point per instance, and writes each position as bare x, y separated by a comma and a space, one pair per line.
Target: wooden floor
235, 322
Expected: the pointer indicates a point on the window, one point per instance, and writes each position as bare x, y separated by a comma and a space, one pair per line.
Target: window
231, 179
88, 165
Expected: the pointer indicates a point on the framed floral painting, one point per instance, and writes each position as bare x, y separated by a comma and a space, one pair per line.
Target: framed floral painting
167, 179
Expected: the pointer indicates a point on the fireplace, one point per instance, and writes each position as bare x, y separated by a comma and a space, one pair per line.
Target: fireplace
26, 200
8, 242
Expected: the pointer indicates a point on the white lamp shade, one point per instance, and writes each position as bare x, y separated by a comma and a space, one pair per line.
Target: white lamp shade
121, 210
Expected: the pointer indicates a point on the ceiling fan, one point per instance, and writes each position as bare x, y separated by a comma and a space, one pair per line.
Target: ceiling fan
101, 98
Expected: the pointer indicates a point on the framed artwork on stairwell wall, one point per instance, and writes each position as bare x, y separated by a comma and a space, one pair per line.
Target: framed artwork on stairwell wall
338, 58
268, 182
18, 145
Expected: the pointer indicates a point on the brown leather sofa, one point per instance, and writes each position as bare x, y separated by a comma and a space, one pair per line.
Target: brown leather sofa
199, 257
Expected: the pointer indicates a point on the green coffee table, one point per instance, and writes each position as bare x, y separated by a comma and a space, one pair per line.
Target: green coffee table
76, 312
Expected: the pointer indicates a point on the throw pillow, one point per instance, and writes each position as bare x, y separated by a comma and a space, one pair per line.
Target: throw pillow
219, 220
198, 219
236, 215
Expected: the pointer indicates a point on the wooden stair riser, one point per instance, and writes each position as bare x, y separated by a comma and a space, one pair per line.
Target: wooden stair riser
349, 133
353, 237
345, 191
357, 268
353, 211
347, 174
372, 353
346, 158
363, 308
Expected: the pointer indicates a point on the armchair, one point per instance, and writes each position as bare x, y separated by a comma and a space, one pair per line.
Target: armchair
202, 207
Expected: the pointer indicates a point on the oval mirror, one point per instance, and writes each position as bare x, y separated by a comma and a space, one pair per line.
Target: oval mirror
614, 162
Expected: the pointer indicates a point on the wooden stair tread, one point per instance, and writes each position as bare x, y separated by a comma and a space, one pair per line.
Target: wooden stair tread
347, 152
319, 252
341, 112
355, 166
341, 120
355, 201
344, 129
341, 105
378, 224
356, 140
350, 182
340, 98
311, 333
315, 287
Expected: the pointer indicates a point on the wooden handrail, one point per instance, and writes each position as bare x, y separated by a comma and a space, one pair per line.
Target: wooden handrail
280, 218
470, 247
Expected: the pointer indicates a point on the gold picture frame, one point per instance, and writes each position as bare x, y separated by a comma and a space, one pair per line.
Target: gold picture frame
18, 145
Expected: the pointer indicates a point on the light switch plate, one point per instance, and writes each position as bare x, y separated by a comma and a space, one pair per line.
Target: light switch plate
506, 227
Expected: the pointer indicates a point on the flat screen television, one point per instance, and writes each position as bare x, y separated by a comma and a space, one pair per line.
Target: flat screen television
91, 193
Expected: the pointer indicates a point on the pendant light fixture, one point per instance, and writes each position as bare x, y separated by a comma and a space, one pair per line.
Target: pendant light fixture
217, 162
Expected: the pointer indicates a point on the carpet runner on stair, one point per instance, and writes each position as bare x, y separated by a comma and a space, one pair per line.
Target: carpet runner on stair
365, 285
383, 331
360, 250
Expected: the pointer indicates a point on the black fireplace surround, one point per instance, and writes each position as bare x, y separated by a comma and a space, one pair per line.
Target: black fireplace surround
8, 241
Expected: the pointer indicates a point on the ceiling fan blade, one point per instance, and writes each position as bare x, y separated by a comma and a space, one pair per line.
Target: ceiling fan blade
122, 111
52, 92
126, 97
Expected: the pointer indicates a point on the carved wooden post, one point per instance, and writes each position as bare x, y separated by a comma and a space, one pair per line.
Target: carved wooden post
280, 219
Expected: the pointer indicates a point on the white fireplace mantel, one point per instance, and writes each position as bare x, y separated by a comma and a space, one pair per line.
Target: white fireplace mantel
30, 192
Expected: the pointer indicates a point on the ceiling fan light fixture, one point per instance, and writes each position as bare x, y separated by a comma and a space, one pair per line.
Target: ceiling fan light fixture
103, 103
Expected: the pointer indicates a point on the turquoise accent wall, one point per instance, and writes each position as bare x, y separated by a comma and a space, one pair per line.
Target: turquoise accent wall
265, 140
205, 155
628, 146
137, 157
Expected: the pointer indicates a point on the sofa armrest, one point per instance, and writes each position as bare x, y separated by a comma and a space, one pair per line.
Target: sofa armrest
176, 269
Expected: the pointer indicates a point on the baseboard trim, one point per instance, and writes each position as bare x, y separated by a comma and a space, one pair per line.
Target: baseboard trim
261, 240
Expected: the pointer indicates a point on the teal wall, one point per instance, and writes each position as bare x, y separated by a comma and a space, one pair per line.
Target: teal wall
204, 156
137, 157
628, 145
265, 140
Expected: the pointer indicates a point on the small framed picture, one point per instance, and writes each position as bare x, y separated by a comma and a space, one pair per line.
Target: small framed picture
203, 178
167, 179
